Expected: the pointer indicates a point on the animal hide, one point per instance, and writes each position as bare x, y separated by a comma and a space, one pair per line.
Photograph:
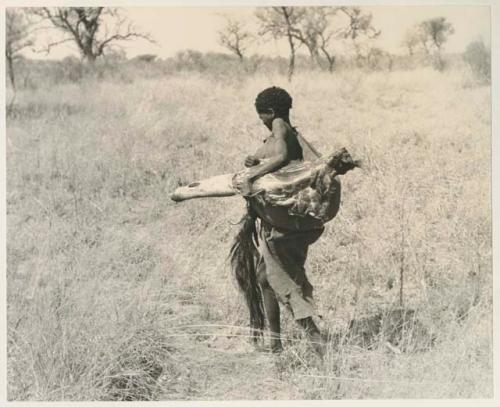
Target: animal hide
307, 188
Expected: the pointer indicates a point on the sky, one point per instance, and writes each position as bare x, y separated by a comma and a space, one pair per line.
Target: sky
178, 28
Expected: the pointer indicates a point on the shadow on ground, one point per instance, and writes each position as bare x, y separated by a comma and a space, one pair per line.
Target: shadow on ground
399, 329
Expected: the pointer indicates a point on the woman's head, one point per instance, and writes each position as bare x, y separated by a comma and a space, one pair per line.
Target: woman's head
274, 101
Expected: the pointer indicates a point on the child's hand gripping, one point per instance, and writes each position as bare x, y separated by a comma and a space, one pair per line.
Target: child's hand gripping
243, 182
251, 160
244, 186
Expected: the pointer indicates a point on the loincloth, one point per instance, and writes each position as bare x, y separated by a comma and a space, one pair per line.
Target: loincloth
282, 258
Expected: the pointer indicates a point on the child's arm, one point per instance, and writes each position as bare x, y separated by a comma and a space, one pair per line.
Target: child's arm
279, 155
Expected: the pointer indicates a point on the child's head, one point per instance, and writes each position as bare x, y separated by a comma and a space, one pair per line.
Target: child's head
274, 101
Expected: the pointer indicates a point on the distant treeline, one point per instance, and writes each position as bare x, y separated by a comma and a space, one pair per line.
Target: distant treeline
116, 67
98, 32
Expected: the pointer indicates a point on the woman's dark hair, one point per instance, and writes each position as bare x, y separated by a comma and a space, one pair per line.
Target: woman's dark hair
274, 98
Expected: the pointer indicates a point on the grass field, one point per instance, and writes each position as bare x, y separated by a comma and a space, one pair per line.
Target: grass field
115, 292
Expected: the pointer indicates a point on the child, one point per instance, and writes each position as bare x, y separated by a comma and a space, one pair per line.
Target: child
280, 268
282, 146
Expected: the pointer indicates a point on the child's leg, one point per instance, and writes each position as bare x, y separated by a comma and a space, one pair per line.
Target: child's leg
314, 335
273, 314
272, 308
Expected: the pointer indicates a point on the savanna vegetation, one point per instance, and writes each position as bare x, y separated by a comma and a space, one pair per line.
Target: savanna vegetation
117, 293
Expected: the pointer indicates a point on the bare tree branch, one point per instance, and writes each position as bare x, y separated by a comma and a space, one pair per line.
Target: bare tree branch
51, 45
18, 36
88, 28
235, 38
282, 22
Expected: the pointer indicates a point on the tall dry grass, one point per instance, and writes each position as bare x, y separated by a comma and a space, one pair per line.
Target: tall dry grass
117, 293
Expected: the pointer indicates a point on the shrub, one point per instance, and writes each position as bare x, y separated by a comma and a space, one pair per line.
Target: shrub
478, 58
148, 58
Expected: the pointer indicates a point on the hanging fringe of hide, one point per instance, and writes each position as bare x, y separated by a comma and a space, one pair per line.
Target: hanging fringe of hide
243, 257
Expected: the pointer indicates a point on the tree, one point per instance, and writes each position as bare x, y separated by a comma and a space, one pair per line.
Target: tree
314, 32
413, 39
18, 36
313, 28
282, 22
320, 26
92, 29
436, 32
359, 28
360, 24
300, 26
234, 37
304, 29
321, 33
323, 46
429, 36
